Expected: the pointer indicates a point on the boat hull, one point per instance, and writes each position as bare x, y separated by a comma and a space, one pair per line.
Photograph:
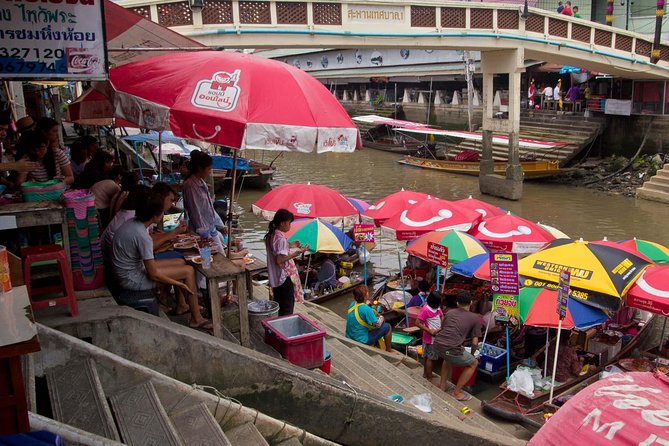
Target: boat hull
531, 169
388, 146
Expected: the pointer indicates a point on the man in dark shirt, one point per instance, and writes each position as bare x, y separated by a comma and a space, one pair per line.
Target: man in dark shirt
459, 325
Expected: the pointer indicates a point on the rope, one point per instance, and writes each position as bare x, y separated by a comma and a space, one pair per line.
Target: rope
221, 397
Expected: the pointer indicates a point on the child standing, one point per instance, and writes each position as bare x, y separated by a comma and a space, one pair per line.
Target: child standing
429, 321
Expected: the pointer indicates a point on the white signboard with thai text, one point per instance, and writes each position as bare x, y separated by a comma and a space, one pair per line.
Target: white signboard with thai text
618, 107
375, 14
52, 39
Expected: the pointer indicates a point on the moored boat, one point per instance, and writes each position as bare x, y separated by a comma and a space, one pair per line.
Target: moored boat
389, 144
531, 169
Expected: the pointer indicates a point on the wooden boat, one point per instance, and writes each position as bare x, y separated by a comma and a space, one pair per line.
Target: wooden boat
257, 177
518, 408
532, 169
389, 144
339, 292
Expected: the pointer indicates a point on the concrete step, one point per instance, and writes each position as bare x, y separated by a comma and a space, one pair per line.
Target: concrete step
359, 374
198, 427
660, 180
28, 371
290, 442
245, 435
141, 418
652, 195
663, 173
77, 399
656, 186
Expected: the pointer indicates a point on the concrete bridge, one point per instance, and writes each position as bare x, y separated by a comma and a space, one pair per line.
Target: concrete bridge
500, 32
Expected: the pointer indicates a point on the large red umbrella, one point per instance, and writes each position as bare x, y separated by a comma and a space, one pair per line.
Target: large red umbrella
432, 214
391, 205
622, 409
510, 233
307, 201
232, 99
487, 210
651, 291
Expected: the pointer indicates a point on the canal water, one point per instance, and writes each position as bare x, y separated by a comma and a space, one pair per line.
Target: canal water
371, 174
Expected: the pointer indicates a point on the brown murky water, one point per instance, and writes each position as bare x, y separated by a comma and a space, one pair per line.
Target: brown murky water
371, 174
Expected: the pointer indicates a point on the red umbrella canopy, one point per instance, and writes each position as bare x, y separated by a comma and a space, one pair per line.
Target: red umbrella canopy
623, 409
91, 108
485, 209
651, 291
432, 214
623, 247
510, 233
391, 205
233, 99
307, 201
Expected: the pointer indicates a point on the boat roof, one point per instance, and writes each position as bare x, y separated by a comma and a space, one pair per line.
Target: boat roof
380, 120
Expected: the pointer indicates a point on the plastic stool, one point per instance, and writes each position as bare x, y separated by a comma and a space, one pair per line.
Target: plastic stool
50, 252
144, 300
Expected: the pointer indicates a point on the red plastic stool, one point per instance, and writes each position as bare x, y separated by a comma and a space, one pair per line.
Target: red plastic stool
40, 254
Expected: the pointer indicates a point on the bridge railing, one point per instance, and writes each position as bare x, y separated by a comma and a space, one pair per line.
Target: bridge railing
388, 16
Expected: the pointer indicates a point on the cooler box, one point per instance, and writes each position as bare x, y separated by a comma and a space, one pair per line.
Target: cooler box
455, 375
298, 339
492, 358
413, 315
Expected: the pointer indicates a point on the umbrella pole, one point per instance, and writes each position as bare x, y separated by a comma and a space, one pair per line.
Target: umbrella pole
548, 340
404, 291
487, 327
306, 276
438, 274
659, 349
508, 357
160, 156
364, 260
557, 348
232, 200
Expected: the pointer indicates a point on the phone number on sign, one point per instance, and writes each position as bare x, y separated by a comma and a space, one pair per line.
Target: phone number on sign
35, 53
19, 66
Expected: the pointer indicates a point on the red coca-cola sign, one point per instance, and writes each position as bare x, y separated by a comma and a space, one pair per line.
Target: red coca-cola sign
82, 62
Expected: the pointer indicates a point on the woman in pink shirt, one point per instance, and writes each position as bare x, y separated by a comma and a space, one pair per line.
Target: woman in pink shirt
278, 256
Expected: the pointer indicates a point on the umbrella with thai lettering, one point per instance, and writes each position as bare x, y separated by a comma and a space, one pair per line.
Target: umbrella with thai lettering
432, 214
510, 233
619, 410
307, 201
319, 235
537, 308
654, 251
600, 274
461, 246
391, 205
480, 206
651, 291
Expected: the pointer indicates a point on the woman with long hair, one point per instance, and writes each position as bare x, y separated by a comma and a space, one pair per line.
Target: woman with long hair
51, 163
278, 258
56, 162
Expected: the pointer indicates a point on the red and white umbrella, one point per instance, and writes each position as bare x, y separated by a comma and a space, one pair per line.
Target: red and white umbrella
307, 201
392, 205
510, 233
485, 209
651, 291
232, 99
91, 108
432, 214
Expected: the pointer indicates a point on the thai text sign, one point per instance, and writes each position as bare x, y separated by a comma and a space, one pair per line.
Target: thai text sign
62, 39
363, 233
437, 254
505, 308
563, 294
504, 273
375, 14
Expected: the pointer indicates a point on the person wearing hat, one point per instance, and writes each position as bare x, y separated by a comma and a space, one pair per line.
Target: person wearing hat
25, 124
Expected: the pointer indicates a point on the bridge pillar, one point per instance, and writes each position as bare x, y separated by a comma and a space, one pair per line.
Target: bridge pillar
509, 62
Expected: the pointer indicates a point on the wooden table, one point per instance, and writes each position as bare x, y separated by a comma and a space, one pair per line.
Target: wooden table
18, 336
223, 270
252, 269
39, 213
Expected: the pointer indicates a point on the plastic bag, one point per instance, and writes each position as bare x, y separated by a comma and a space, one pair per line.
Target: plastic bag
521, 382
422, 402
609, 370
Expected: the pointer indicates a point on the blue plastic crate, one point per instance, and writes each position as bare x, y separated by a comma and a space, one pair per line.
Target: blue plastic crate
492, 358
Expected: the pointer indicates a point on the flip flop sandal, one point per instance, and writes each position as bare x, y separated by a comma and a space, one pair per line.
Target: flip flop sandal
205, 325
465, 397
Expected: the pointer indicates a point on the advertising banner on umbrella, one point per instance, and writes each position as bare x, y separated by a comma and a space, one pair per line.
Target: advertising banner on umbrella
52, 40
437, 254
504, 285
563, 294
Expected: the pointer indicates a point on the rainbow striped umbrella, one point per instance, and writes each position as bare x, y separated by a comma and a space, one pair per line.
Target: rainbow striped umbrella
320, 236
461, 246
654, 251
537, 308
360, 205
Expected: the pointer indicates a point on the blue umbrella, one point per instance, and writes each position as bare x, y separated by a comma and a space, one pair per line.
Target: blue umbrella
468, 267
568, 69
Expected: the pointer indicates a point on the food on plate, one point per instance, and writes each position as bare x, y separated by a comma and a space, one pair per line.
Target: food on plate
184, 245
636, 365
248, 260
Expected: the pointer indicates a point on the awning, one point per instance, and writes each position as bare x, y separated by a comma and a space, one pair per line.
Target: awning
126, 29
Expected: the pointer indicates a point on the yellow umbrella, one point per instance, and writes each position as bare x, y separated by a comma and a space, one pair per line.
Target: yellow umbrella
600, 274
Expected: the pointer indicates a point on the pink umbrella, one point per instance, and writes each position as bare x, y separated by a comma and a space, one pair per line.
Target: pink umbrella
432, 214
622, 409
391, 205
360, 205
510, 233
651, 291
307, 201
483, 208
233, 99
91, 108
